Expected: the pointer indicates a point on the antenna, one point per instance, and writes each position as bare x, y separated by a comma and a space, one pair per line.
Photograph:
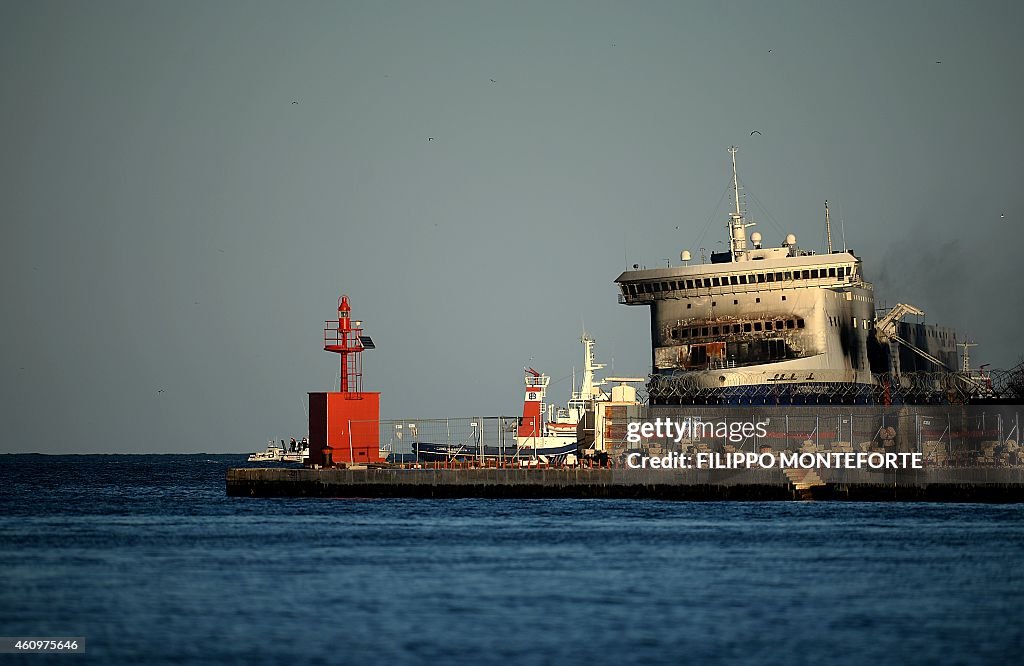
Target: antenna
735, 180
737, 227
828, 228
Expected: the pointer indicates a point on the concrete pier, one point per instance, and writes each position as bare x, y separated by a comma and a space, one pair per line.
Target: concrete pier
997, 484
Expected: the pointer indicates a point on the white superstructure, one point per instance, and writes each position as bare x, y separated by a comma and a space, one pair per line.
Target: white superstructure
773, 315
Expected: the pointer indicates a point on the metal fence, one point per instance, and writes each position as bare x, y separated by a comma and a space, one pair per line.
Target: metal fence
481, 439
954, 436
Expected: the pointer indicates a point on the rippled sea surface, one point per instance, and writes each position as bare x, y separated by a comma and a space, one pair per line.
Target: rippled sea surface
148, 559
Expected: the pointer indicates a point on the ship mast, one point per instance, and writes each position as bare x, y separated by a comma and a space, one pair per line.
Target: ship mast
737, 227
967, 356
828, 228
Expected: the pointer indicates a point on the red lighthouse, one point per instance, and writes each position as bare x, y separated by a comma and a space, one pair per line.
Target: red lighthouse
344, 424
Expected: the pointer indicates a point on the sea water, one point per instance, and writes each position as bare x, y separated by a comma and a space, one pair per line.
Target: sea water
149, 560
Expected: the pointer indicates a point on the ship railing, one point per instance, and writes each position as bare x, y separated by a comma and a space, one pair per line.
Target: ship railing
905, 388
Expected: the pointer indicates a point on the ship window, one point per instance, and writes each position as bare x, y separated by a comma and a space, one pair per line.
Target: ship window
757, 300
714, 303
673, 334
689, 284
771, 277
832, 272
735, 302
668, 286
814, 273
849, 269
768, 326
776, 349
743, 279
689, 305
704, 331
757, 326
783, 298
807, 275
778, 277
707, 282
656, 287
714, 282
735, 328
799, 323
760, 277
733, 279
714, 330
789, 323
746, 327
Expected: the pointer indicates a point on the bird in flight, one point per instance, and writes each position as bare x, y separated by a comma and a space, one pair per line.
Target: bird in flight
294, 101
430, 138
493, 81
755, 132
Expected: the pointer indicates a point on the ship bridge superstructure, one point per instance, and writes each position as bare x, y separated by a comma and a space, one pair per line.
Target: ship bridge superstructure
760, 314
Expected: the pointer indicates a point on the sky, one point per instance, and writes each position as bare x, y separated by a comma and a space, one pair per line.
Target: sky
187, 188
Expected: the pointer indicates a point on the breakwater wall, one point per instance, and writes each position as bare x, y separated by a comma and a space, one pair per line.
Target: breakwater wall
997, 484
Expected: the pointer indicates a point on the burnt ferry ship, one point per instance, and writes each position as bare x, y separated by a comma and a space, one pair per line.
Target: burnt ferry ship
785, 325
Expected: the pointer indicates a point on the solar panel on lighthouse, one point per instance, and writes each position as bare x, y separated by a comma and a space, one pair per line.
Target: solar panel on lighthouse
367, 342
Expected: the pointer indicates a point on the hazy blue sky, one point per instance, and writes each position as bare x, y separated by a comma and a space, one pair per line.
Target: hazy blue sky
173, 222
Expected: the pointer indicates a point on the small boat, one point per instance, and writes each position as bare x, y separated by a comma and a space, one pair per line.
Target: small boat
297, 452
